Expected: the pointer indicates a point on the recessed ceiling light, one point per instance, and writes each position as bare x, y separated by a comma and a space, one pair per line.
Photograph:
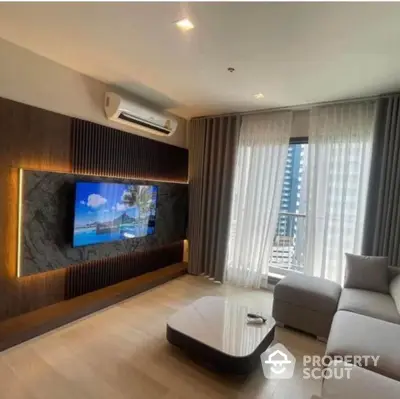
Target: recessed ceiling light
184, 24
258, 96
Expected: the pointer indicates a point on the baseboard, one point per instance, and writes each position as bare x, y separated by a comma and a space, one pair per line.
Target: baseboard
29, 325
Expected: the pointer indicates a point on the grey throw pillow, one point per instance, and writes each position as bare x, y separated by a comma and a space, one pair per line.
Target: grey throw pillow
367, 273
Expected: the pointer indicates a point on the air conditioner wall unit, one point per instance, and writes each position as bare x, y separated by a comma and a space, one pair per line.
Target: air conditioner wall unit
127, 112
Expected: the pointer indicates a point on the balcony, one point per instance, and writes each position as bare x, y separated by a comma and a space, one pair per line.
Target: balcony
289, 244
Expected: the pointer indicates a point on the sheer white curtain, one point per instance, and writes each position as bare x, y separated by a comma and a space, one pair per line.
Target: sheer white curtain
339, 157
259, 174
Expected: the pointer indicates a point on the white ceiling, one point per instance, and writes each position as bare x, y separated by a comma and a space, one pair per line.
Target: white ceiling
294, 53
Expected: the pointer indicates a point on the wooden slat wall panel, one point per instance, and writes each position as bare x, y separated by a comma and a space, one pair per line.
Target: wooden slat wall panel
24, 327
103, 151
91, 276
37, 139
34, 138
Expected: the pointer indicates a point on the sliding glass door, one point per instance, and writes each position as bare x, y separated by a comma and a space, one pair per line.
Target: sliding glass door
288, 251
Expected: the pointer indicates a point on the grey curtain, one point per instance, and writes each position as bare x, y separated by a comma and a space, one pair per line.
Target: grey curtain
382, 222
212, 148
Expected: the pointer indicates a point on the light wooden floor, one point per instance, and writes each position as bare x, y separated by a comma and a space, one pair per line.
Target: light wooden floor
121, 352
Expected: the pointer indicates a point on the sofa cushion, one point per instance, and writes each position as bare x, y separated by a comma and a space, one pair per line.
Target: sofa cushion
369, 303
394, 289
367, 273
355, 334
361, 384
309, 292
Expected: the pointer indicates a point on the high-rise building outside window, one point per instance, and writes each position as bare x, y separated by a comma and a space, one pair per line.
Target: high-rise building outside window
289, 243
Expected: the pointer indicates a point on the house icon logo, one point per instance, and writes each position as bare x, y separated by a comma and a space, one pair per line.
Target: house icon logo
278, 363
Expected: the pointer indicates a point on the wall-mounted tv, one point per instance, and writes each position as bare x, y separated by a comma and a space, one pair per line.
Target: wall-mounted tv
107, 212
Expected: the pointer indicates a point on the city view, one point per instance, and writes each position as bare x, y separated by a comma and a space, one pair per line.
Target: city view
289, 242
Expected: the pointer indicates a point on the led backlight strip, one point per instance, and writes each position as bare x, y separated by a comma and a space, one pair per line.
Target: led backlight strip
20, 216
116, 177
127, 178
21, 203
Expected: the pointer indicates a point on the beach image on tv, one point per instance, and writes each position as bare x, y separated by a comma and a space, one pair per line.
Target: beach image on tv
107, 212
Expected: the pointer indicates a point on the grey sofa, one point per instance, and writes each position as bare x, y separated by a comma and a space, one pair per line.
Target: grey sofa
368, 323
362, 322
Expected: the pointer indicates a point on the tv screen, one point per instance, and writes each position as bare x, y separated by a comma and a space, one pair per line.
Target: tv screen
107, 212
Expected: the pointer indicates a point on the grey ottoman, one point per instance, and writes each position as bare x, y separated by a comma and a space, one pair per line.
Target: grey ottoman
306, 303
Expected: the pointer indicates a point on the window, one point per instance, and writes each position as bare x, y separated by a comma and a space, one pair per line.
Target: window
289, 243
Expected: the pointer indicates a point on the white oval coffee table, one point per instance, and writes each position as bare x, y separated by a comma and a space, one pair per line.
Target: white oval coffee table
215, 331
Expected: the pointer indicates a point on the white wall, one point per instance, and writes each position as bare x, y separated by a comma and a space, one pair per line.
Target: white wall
31, 79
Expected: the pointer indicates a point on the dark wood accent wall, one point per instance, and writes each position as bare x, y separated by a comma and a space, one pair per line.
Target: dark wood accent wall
29, 325
37, 139
91, 276
33, 138
104, 151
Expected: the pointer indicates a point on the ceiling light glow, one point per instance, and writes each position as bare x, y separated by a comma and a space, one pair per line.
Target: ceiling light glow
184, 24
258, 96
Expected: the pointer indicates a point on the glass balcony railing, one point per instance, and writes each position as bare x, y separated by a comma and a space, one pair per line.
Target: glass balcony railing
289, 243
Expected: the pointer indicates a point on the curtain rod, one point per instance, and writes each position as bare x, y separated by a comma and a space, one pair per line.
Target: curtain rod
302, 107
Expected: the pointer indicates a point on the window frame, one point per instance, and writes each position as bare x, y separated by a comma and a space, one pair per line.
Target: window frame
298, 140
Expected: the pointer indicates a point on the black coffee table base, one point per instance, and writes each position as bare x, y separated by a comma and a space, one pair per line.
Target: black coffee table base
216, 359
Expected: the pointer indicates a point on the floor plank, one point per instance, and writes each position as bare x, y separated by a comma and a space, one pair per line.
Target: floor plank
121, 352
